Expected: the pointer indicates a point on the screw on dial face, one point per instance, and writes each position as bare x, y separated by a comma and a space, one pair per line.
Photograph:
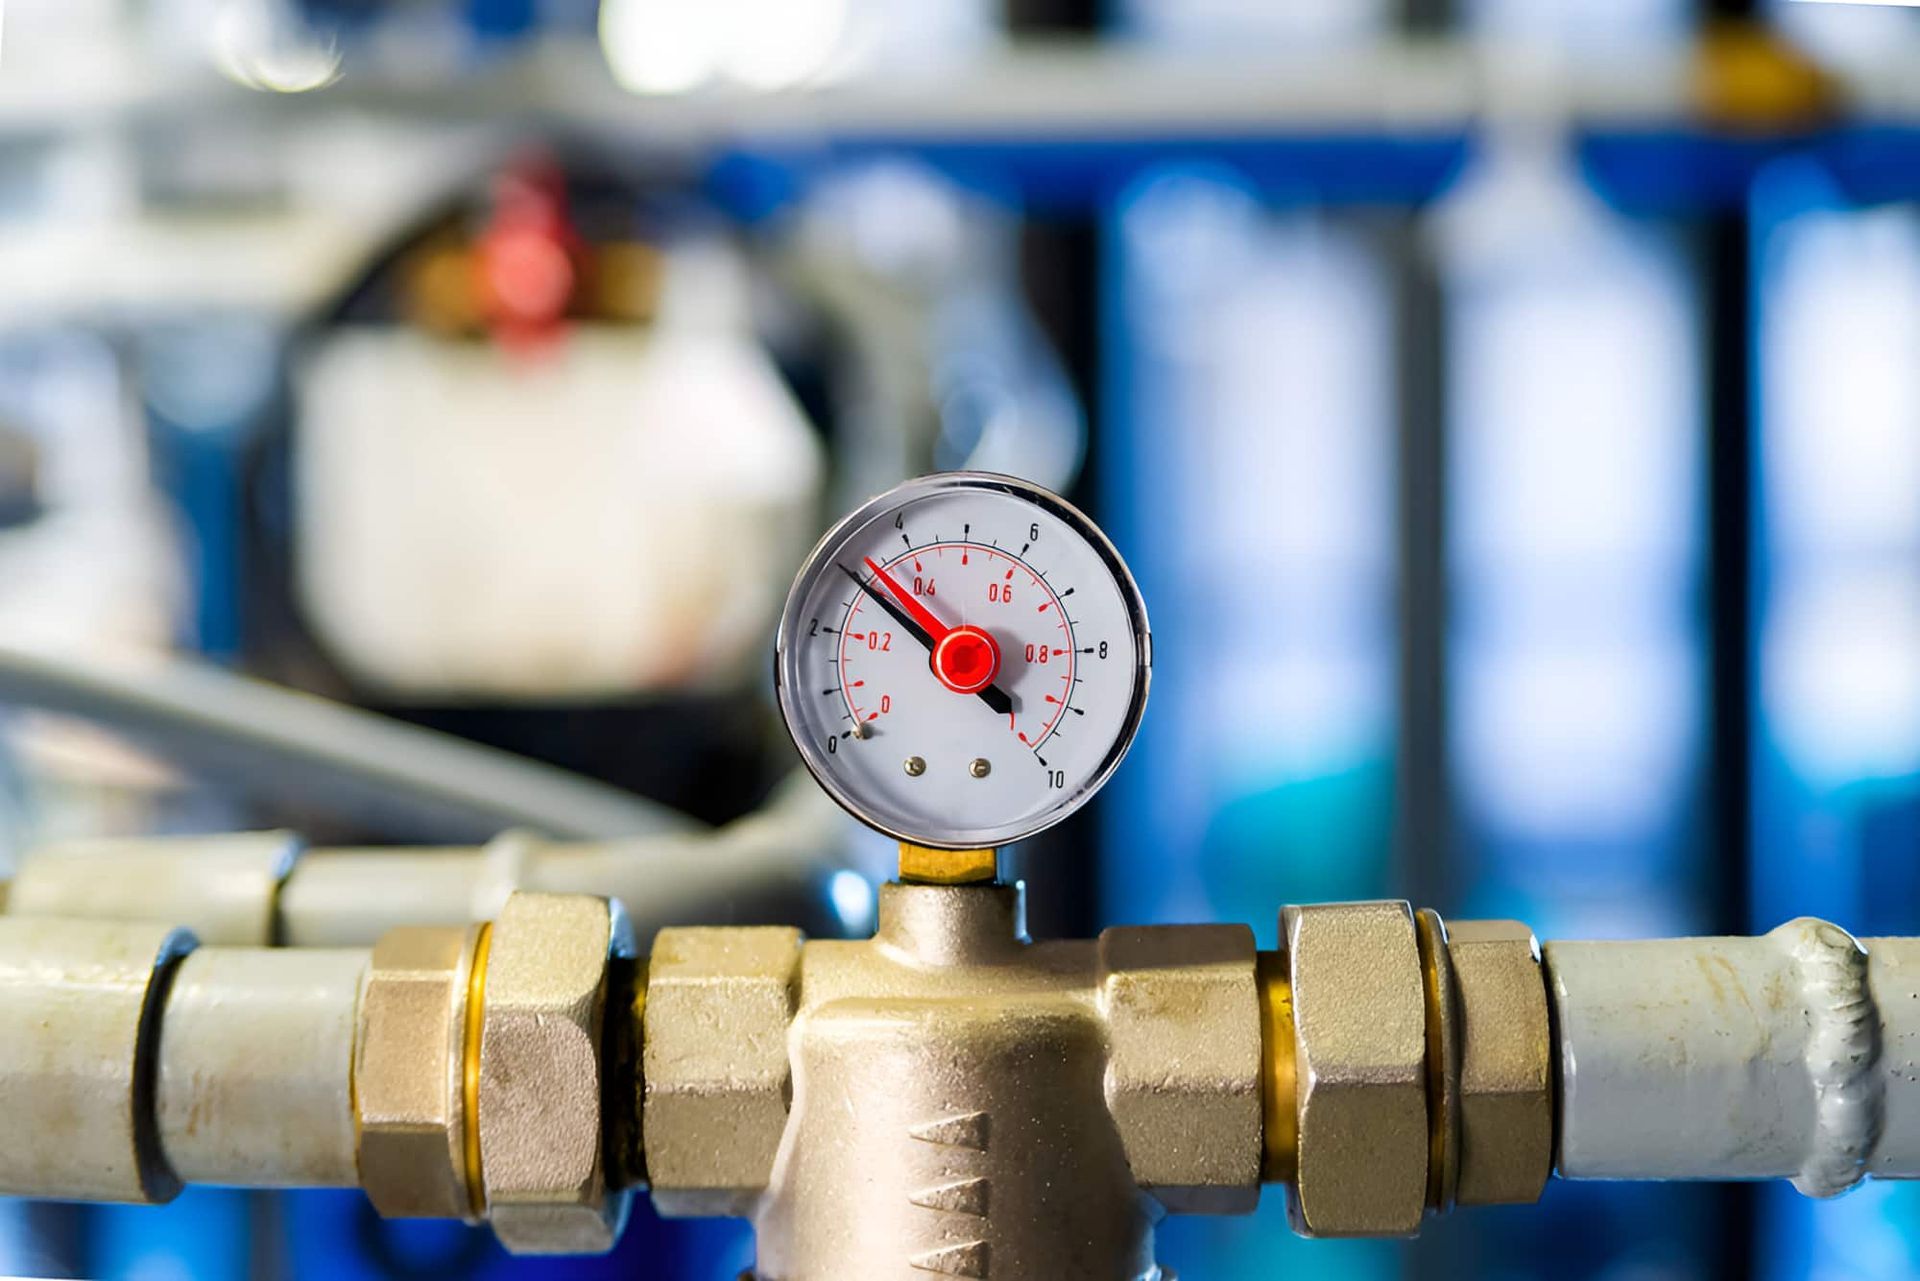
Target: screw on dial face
979, 629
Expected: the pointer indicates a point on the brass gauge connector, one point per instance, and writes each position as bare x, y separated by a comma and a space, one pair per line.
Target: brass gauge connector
924, 866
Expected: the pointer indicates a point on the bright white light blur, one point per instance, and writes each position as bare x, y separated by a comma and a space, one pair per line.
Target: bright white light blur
1840, 657
1267, 338
260, 44
1838, 350
1574, 471
1841, 673
1573, 374
901, 218
660, 46
852, 899
1585, 739
780, 43
670, 46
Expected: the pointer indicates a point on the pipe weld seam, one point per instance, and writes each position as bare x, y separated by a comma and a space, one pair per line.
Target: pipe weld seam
1842, 1054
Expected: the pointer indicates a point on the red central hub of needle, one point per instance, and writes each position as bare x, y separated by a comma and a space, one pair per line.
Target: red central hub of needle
966, 660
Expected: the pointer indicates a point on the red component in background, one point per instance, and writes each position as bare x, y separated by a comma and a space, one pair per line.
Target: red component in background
528, 256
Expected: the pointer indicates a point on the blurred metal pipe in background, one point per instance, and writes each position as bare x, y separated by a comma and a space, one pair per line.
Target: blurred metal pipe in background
256, 889
319, 753
772, 866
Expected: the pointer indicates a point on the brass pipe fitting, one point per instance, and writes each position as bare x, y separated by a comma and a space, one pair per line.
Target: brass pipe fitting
1408, 1066
416, 1119
1184, 1080
481, 1081
1505, 1063
1360, 1051
541, 1082
1382, 1063
718, 1076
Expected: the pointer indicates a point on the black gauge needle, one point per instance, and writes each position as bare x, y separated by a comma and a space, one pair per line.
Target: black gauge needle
992, 695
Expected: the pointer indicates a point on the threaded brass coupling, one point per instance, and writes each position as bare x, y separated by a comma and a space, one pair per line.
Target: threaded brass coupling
1407, 1066
478, 1082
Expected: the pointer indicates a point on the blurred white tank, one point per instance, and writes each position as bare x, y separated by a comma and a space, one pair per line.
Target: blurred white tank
618, 512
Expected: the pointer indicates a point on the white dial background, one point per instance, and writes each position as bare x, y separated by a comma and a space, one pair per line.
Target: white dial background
866, 709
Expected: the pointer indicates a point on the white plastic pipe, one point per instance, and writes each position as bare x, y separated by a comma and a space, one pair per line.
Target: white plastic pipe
253, 1081
1791, 1055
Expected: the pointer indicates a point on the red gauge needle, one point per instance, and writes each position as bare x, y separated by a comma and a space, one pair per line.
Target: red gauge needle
965, 658
935, 629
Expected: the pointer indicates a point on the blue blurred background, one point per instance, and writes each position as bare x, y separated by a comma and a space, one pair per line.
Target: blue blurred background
1510, 409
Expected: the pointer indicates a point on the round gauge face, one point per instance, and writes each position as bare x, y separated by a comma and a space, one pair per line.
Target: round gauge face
963, 661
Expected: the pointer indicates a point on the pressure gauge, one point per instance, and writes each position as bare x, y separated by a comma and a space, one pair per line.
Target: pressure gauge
963, 661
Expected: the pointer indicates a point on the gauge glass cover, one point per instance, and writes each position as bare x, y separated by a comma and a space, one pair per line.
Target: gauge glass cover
963, 661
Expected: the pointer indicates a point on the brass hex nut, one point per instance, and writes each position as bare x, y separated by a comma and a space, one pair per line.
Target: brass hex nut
1505, 1055
719, 1082
1360, 1060
1184, 1062
409, 1073
543, 1171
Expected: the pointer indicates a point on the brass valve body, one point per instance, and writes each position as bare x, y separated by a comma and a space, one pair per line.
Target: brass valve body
948, 1098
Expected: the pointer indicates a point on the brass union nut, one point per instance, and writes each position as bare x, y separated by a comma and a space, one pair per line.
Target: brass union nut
719, 1081
1184, 1062
1506, 1075
1360, 1058
539, 1088
409, 1073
